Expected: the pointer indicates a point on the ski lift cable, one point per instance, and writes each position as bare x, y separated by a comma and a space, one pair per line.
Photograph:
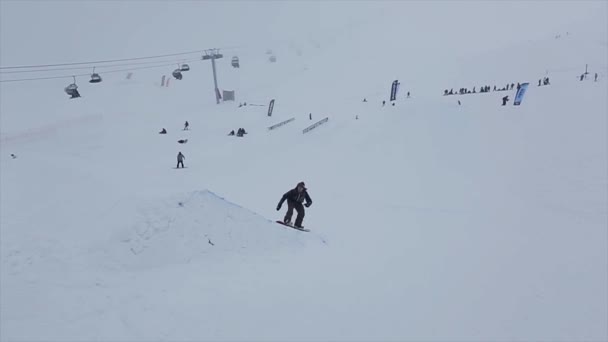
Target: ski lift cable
87, 74
97, 67
113, 60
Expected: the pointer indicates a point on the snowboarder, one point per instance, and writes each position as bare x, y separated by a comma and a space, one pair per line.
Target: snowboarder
231, 132
164, 131
459, 102
13, 156
182, 141
310, 116
383, 103
582, 77
364, 100
186, 125
408, 94
180, 160
505, 100
294, 198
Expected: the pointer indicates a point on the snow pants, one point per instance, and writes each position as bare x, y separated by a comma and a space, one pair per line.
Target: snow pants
291, 205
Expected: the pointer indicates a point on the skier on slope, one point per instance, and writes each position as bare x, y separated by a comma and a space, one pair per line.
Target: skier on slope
294, 198
180, 160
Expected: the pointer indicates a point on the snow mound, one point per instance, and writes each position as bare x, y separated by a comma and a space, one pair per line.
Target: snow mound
199, 225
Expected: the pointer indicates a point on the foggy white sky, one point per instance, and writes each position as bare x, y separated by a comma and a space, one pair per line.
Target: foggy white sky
39, 32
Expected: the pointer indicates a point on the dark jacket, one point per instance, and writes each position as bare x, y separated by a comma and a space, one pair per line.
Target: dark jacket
294, 195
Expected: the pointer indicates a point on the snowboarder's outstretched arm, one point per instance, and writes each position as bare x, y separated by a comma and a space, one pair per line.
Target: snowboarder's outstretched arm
285, 196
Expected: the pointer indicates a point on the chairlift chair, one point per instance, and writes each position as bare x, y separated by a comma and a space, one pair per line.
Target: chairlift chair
235, 62
185, 67
95, 78
177, 73
72, 89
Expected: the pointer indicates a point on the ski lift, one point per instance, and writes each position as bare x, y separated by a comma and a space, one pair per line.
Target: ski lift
177, 73
185, 67
95, 78
72, 89
235, 62
272, 59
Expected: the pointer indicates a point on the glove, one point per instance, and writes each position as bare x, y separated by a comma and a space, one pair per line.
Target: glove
307, 205
278, 207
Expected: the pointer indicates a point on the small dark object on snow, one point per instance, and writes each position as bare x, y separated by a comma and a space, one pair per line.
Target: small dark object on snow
182, 141
164, 131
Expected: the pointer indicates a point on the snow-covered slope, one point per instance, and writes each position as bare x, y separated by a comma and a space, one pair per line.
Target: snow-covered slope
431, 220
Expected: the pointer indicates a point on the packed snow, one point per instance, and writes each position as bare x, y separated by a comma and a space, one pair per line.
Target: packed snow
431, 220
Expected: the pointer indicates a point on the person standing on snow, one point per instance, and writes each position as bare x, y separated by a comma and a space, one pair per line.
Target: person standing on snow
294, 198
180, 160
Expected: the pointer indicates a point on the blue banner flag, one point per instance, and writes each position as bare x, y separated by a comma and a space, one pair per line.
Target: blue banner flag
520, 94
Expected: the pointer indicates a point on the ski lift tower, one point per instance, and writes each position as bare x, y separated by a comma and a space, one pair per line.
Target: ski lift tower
214, 54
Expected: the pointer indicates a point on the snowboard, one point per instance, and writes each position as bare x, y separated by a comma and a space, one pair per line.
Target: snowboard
290, 226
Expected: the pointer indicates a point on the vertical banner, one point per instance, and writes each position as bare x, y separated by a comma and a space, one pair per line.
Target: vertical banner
394, 88
270, 107
520, 94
